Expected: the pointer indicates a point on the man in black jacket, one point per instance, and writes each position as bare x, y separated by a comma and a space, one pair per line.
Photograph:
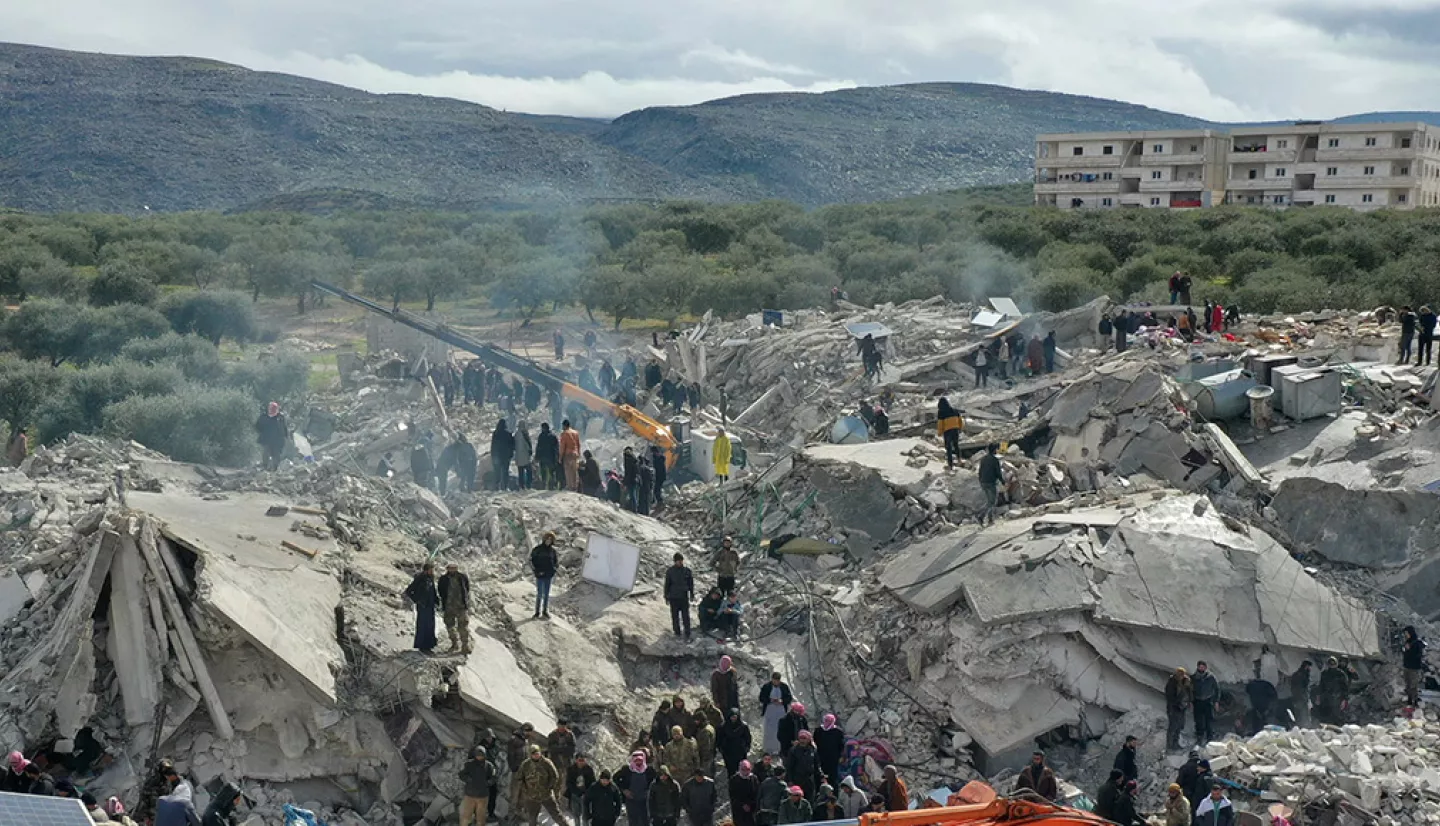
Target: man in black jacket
502, 450
1414, 665
698, 797
1207, 692
1427, 335
547, 457
1407, 332
454, 590
630, 478
1125, 760
544, 560
990, 477
478, 775
1108, 794
271, 430
579, 778
657, 462
603, 802
679, 592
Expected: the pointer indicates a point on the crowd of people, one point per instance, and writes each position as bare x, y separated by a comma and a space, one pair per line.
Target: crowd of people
1034, 357
165, 798
792, 773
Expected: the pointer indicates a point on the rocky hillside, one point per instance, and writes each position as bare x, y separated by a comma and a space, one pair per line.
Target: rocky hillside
119, 134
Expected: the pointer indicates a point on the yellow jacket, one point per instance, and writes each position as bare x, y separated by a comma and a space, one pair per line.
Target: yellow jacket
952, 423
722, 462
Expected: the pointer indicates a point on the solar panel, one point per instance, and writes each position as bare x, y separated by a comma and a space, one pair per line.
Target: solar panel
31, 810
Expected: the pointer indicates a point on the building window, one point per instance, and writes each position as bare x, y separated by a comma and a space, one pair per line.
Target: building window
1077, 202
1279, 199
1369, 141
1107, 150
1155, 176
1367, 198
1158, 148
1329, 199
1404, 170
1194, 147
1332, 170
1369, 170
1282, 144
1332, 143
1154, 202
1108, 176
1249, 199
1254, 173
1106, 202
1079, 150
1404, 143
1279, 171
1401, 198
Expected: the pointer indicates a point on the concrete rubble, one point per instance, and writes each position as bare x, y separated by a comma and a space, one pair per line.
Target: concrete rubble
153, 607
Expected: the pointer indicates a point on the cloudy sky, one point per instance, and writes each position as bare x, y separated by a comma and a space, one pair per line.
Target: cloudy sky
1221, 59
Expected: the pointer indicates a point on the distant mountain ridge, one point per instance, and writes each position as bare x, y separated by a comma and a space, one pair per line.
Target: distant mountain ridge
95, 132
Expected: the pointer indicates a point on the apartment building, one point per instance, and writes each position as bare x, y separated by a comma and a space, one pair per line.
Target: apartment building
1360, 166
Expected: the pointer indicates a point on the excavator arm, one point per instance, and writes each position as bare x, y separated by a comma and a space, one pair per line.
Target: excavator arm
645, 427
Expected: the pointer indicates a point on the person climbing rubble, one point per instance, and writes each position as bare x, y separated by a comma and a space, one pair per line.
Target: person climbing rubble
1333, 693
733, 741
991, 475
743, 794
635, 780
1215, 809
829, 747
721, 455
1413, 663
775, 700
535, 785
478, 777
424, 596
699, 798
544, 561
454, 591
789, 730
1206, 692
1179, 694
949, 425
1037, 777
579, 779
272, 430
603, 801
664, 799
679, 593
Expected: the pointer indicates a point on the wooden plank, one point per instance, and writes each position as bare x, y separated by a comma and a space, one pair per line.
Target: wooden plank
291, 546
150, 550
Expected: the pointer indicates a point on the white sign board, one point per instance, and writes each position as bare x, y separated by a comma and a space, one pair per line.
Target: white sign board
1006, 307
608, 561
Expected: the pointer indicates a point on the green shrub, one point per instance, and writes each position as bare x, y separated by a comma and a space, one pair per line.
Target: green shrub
200, 424
1062, 289
193, 356
282, 376
122, 283
212, 314
79, 406
24, 387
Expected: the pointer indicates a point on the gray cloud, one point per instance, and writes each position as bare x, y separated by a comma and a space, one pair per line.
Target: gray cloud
1221, 59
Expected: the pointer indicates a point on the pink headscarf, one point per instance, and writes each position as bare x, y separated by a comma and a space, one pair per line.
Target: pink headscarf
273, 409
724, 664
827, 722
805, 736
17, 762
637, 761
113, 806
745, 768
797, 708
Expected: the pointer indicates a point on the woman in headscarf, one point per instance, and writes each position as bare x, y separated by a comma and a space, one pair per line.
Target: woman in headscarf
725, 686
634, 781
734, 741
789, 729
744, 794
803, 764
660, 726
775, 698
830, 744
14, 780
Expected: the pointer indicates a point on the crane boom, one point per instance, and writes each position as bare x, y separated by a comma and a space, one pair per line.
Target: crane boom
498, 357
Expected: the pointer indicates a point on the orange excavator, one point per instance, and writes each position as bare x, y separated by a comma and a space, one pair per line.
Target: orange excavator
978, 805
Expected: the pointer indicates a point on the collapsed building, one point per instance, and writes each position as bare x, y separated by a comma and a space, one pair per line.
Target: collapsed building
251, 625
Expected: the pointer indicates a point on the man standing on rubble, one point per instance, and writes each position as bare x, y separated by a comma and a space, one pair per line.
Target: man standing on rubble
631, 478
1122, 329
1035, 355
1334, 693
502, 450
535, 785
721, 455
1038, 778
1413, 661
1206, 693
680, 592
560, 746
1049, 347
949, 424
271, 431
1427, 335
454, 590
1300, 694
727, 565
421, 465
547, 457
178, 807
544, 560
1407, 333
1125, 760
478, 775
459, 456
990, 477
423, 595
570, 455
579, 778
1179, 694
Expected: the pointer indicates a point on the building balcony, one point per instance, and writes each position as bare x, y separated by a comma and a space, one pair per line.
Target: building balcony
1078, 187
1268, 156
1364, 181
1182, 185
1256, 184
1374, 153
1177, 159
1072, 161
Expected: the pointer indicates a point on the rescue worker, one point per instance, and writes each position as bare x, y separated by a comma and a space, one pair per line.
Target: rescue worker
478, 777
680, 754
664, 800
1038, 778
454, 592
423, 595
949, 424
535, 784
271, 431
721, 455
1179, 694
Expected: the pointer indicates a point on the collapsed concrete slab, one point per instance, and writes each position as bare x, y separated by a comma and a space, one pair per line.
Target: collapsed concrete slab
891, 458
240, 556
574, 672
492, 681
